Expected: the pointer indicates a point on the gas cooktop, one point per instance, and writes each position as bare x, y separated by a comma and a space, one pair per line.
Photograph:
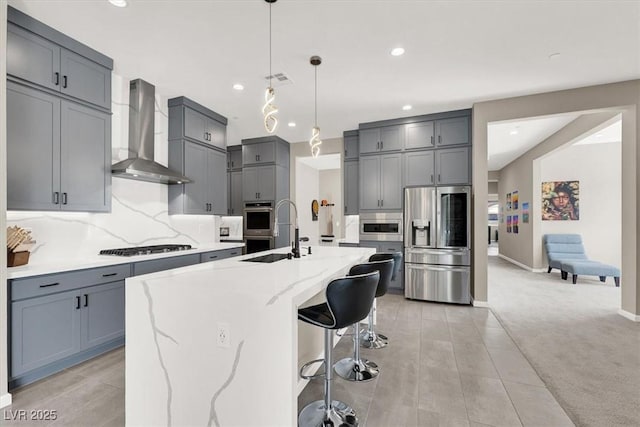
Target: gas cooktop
144, 250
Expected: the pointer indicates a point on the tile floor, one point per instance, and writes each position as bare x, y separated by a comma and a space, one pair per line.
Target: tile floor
446, 365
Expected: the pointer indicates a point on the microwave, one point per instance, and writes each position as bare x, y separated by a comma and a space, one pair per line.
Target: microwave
258, 219
385, 226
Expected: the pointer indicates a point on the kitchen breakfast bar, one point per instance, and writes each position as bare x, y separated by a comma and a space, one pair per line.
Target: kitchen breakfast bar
219, 343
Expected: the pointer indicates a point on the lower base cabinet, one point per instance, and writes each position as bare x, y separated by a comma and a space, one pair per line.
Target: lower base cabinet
398, 282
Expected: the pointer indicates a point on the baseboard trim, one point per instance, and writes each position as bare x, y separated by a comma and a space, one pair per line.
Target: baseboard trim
482, 304
630, 316
5, 400
521, 265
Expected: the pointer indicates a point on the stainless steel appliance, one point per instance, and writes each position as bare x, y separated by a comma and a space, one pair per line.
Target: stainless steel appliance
385, 226
437, 231
258, 219
145, 250
255, 244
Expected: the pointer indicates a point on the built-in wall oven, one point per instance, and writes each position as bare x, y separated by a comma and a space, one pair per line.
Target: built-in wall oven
258, 227
381, 226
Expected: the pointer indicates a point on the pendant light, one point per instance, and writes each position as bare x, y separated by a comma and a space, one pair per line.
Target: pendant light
268, 109
315, 141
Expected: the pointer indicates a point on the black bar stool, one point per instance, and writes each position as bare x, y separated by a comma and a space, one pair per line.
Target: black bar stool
369, 338
348, 302
355, 368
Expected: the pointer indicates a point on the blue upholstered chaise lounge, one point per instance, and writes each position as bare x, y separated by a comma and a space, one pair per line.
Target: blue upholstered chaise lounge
566, 253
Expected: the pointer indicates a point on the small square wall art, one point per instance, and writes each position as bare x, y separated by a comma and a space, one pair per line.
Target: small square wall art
514, 200
508, 223
508, 201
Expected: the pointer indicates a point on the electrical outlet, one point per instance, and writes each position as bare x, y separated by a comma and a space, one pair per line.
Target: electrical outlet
224, 335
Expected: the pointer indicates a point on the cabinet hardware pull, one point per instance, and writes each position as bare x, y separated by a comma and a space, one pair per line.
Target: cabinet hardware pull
64, 198
64, 81
78, 302
381, 145
56, 198
431, 177
345, 209
382, 202
50, 284
438, 177
57, 74
439, 139
432, 140
109, 274
86, 300
213, 256
234, 253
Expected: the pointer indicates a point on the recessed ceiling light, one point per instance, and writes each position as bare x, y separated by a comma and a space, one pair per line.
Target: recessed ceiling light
514, 132
119, 3
555, 55
292, 124
238, 86
598, 135
397, 51
407, 107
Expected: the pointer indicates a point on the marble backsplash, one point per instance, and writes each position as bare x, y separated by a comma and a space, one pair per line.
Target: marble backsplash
352, 228
234, 223
139, 214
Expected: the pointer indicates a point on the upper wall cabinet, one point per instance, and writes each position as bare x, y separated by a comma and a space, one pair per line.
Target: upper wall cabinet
234, 157
188, 119
351, 143
454, 131
37, 60
376, 140
419, 135
265, 151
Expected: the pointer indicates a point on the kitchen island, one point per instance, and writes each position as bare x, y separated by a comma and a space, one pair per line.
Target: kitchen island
217, 343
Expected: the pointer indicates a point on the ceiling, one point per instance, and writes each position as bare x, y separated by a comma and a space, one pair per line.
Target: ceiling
457, 53
607, 135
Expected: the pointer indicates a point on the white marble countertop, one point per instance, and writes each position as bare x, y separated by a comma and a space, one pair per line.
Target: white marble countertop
176, 371
37, 269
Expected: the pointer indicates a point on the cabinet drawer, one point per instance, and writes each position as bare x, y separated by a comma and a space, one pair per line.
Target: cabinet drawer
155, 265
221, 254
53, 283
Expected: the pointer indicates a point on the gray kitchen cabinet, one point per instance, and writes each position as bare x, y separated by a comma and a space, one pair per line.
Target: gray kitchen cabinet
37, 60
419, 135
351, 142
236, 204
259, 183
59, 153
195, 122
452, 166
43, 330
387, 138
398, 282
234, 157
381, 182
351, 187
419, 168
155, 265
206, 167
221, 254
453, 131
255, 154
102, 314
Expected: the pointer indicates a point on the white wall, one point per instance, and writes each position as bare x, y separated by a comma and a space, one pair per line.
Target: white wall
331, 190
307, 189
597, 167
5, 397
139, 213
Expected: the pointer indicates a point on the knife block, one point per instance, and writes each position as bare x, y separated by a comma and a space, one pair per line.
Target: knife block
15, 259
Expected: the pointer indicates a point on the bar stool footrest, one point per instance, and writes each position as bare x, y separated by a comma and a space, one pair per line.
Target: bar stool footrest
312, 377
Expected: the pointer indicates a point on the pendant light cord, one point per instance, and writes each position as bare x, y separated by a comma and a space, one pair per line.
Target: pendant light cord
316, 95
270, 73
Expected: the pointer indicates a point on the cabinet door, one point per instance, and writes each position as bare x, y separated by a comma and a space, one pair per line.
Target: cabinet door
85, 159
398, 281
32, 58
102, 314
453, 131
249, 184
236, 204
196, 193
369, 140
217, 181
84, 79
452, 166
351, 188
267, 183
419, 135
195, 125
391, 138
369, 182
235, 159
44, 330
418, 168
33, 149
390, 182
351, 147
253, 154
217, 133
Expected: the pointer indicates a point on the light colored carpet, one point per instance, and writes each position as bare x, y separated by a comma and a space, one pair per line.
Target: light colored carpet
586, 353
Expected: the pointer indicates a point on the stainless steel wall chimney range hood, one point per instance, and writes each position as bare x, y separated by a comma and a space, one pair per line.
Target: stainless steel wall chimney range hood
140, 165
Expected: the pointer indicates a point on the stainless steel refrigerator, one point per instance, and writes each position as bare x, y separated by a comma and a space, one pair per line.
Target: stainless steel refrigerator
437, 230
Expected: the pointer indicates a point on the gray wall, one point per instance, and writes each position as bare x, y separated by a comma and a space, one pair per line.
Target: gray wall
623, 97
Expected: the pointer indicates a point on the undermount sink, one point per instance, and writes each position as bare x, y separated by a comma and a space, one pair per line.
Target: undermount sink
267, 258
